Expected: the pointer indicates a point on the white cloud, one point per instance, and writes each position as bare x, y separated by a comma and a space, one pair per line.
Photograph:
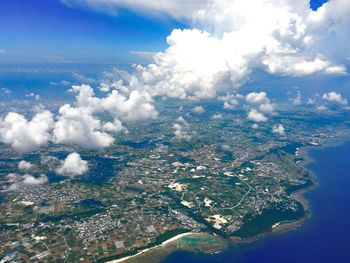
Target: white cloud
104, 87
261, 100
73, 165
297, 100
321, 108
282, 37
266, 108
230, 100
256, 98
278, 129
216, 116
116, 126
256, 116
195, 66
336, 70
228, 105
182, 130
24, 165
78, 127
311, 101
31, 180
24, 135
334, 97
137, 106
115, 79
198, 109
296, 65
330, 28
17, 181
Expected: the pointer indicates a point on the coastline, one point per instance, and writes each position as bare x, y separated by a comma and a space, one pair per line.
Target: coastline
282, 227
299, 194
175, 238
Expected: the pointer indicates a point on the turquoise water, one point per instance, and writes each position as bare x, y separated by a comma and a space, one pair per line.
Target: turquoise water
323, 238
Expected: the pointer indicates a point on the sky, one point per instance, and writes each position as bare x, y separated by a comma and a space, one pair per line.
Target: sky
230, 51
41, 30
52, 31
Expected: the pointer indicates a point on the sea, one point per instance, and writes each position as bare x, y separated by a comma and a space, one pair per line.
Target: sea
324, 238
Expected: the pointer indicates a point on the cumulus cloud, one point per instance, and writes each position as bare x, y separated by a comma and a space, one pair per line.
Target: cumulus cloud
330, 29
278, 129
335, 97
24, 165
216, 116
17, 181
115, 126
230, 100
256, 116
266, 108
228, 39
26, 135
135, 107
138, 106
31, 180
297, 100
260, 100
182, 130
78, 127
321, 108
115, 79
256, 98
73, 165
198, 109
311, 101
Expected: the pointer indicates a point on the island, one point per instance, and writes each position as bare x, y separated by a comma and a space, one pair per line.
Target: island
151, 194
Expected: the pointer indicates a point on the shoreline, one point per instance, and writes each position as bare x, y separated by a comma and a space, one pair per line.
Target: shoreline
281, 228
175, 238
299, 194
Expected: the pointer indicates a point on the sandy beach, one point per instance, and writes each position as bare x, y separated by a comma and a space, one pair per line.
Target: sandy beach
149, 249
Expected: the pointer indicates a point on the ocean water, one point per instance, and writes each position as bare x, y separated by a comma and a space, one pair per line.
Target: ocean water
324, 238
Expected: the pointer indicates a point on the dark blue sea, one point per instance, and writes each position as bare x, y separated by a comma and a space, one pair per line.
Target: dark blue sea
324, 238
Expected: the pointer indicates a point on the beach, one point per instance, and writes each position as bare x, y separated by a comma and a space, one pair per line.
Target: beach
175, 238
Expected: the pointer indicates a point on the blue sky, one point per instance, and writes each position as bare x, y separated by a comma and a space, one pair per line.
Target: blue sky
41, 30
47, 30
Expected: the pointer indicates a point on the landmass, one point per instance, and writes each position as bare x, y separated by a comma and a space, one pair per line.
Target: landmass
150, 194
